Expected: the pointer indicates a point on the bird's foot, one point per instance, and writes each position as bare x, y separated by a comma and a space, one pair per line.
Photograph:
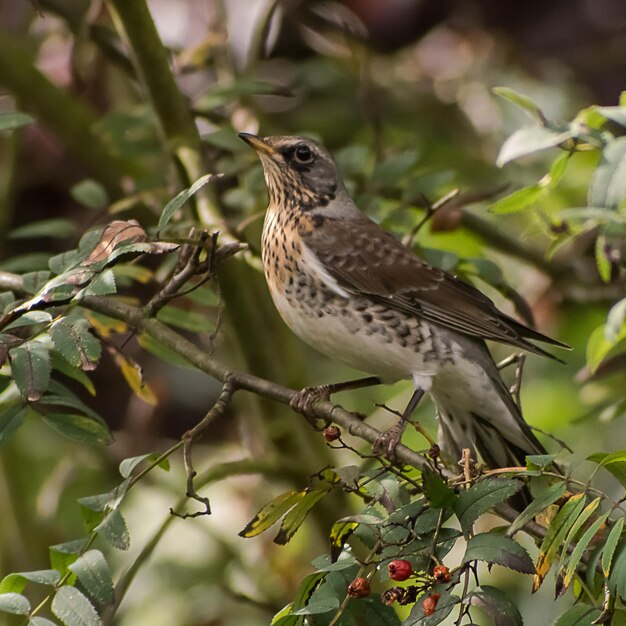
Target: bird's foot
303, 400
387, 443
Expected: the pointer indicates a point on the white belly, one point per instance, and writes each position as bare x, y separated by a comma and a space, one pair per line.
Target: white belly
345, 338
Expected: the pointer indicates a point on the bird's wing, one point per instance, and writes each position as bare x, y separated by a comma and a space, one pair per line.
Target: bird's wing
364, 259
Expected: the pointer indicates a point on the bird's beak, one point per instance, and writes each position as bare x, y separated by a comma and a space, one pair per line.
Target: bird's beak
258, 144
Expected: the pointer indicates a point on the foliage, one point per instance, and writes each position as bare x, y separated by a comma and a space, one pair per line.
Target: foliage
171, 275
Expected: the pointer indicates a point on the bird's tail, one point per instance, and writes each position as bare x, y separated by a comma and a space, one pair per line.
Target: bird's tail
476, 411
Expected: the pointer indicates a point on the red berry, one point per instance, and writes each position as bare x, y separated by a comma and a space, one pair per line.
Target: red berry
429, 604
332, 433
359, 588
400, 569
441, 574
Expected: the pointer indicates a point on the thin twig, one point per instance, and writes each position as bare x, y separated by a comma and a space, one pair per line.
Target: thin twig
217, 410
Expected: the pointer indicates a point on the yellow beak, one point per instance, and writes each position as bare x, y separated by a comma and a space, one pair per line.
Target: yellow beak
258, 144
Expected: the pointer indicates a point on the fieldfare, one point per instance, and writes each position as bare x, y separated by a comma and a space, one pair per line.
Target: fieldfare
355, 293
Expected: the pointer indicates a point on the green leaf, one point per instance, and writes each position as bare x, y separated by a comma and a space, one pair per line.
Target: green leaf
187, 320
482, 497
615, 114
55, 228
74, 609
615, 462
11, 120
436, 490
62, 555
530, 139
30, 365
40, 621
61, 364
445, 605
293, 520
30, 318
608, 184
497, 605
94, 574
617, 578
522, 101
517, 201
580, 615
113, 529
580, 549
128, 465
539, 504
615, 327
17, 582
539, 461
14, 603
597, 348
79, 427
77, 345
339, 533
90, 193
317, 607
11, 418
610, 545
498, 549
177, 202
271, 513
578, 524
555, 535
603, 263
34, 281
102, 285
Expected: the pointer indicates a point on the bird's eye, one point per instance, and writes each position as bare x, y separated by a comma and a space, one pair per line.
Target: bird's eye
303, 154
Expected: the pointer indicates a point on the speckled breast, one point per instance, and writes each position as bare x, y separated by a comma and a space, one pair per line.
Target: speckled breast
365, 335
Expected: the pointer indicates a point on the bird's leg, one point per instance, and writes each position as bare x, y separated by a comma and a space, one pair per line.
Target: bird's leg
387, 442
304, 399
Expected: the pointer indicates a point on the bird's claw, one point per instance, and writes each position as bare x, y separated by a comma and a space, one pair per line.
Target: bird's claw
387, 443
303, 400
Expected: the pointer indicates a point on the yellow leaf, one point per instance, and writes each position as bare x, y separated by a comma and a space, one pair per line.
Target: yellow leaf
131, 371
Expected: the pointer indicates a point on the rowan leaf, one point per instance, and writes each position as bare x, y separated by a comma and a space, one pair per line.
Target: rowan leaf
14, 603
114, 530
30, 366
538, 505
436, 490
294, 518
271, 513
580, 548
177, 202
75, 343
498, 549
497, 605
74, 609
94, 574
555, 535
11, 120
608, 184
482, 497
610, 546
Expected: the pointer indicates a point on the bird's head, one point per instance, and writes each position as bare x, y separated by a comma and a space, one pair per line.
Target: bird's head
299, 172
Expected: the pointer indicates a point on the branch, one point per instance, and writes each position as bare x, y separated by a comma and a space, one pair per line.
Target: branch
170, 105
322, 409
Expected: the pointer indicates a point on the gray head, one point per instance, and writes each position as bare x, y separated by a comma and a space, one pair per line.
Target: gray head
299, 172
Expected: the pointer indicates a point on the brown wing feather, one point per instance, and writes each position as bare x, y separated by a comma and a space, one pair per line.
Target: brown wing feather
365, 259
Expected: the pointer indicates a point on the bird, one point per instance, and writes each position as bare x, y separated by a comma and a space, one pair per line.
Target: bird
357, 294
